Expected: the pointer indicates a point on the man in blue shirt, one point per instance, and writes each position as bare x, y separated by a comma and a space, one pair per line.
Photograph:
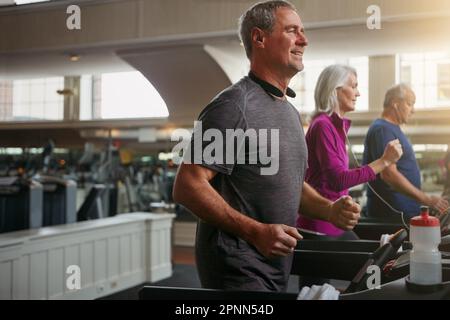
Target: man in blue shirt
399, 184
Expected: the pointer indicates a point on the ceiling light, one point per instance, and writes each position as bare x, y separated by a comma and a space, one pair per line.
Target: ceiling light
74, 57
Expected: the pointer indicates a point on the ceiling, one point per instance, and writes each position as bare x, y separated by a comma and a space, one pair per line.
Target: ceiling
58, 63
427, 34
188, 72
7, 3
186, 77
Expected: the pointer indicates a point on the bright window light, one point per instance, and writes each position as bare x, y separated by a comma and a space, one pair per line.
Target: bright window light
36, 150
11, 151
37, 99
304, 83
164, 156
358, 149
19, 2
130, 95
429, 76
430, 147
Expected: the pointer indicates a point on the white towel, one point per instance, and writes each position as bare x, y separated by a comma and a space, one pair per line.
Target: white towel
385, 239
325, 292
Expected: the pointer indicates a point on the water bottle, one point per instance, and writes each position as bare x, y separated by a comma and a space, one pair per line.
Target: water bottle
425, 258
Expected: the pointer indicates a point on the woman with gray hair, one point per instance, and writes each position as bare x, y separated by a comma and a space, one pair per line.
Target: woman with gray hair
328, 163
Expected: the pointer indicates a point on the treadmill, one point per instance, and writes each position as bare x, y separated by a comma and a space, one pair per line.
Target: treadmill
20, 204
372, 228
398, 289
59, 200
92, 207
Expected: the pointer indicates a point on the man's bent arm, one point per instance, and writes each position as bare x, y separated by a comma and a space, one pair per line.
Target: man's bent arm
193, 190
401, 184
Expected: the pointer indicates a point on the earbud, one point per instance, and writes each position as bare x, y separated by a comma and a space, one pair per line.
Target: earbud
397, 113
259, 38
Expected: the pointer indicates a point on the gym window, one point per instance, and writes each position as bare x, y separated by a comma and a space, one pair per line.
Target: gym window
304, 83
121, 95
31, 99
429, 76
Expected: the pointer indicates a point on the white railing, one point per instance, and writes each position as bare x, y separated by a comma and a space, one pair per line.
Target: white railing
112, 254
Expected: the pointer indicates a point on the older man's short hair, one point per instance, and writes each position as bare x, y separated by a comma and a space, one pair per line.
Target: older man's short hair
260, 15
395, 93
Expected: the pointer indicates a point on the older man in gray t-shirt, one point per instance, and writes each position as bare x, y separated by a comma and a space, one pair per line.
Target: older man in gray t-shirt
247, 207
271, 198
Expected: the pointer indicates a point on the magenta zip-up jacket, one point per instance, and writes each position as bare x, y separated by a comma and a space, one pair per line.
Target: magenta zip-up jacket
328, 170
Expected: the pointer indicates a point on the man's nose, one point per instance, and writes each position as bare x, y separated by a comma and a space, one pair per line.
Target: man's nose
302, 40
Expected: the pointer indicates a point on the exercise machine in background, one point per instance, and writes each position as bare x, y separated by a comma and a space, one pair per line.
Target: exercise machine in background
21, 204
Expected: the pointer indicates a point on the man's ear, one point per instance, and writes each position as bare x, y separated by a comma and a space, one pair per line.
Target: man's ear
258, 37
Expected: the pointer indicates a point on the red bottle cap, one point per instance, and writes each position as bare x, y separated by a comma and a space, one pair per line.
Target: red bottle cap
425, 220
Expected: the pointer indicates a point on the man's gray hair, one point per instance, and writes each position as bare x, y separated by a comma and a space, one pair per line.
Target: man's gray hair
262, 16
325, 94
397, 92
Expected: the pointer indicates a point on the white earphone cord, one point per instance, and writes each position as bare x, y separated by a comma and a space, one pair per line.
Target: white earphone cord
373, 190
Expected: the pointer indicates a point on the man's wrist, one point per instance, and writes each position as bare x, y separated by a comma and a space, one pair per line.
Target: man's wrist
386, 163
427, 200
251, 231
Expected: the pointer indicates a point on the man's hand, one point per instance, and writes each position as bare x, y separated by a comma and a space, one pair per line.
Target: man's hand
438, 203
344, 213
276, 240
392, 153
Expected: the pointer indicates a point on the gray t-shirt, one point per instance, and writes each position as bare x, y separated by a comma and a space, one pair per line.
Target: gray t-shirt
271, 196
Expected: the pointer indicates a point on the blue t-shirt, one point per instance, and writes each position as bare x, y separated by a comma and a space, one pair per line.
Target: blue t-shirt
380, 133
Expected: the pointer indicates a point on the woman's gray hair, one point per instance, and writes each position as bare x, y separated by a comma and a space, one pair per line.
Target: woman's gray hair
262, 16
325, 95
